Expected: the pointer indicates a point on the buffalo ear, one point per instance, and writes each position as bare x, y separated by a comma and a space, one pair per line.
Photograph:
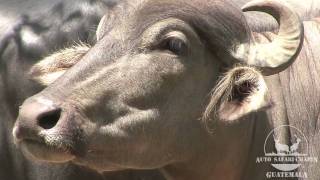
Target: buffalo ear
52, 67
240, 91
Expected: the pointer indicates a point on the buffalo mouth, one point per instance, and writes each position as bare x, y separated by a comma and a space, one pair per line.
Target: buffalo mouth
42, 151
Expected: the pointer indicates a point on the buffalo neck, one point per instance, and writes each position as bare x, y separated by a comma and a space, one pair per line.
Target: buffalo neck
229, 152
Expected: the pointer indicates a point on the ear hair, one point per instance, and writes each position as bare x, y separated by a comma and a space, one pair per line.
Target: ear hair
52, 67
240, 91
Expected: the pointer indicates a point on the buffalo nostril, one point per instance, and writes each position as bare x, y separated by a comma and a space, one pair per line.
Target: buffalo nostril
49, 119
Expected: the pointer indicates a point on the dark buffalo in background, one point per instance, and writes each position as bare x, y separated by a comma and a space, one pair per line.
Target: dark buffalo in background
30, 30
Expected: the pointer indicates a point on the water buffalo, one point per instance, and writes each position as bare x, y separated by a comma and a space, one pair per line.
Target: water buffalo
44, 28
140, 97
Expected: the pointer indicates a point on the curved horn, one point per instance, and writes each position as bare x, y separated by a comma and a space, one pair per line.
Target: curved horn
280, 53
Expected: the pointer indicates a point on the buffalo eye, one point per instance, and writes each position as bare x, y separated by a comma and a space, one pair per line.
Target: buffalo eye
176, 42
176, 46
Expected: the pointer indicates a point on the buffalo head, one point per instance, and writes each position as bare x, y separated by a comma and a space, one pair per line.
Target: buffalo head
134, 100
